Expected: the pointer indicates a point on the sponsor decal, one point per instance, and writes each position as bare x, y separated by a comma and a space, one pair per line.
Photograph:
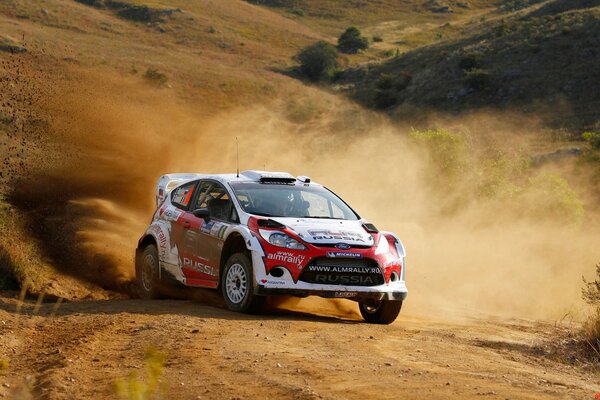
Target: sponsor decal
214, 231
327, 234
206, 227
392, 263
162, 242
172, 214
287, 257
199, 267
344, 269
345, 295
364, 280
343, 254
269, 282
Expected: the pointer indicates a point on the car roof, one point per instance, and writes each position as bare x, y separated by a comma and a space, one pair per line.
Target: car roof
252, 176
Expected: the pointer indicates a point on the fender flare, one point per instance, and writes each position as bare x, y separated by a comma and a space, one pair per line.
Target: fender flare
252, 244
399, 245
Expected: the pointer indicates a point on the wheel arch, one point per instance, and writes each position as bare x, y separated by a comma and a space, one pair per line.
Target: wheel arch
235, 243
144, 242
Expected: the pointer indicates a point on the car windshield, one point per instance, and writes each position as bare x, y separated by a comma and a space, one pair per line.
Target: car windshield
295, 201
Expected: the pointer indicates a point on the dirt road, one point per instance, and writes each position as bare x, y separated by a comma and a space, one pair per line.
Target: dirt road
214, 354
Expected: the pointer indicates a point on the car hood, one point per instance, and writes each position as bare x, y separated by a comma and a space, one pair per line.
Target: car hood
329, 231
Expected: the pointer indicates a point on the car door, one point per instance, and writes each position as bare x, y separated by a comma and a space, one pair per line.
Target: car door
181, 199
205, 236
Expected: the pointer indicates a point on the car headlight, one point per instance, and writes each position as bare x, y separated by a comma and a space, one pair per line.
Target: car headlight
280, 239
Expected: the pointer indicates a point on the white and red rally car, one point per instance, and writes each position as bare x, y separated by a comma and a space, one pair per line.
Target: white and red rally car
258, 233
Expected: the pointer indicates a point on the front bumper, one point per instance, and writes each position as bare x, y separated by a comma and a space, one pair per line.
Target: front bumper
332, 294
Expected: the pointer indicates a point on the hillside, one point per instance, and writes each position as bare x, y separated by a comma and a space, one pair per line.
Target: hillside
384, 16
77, 77
539, 57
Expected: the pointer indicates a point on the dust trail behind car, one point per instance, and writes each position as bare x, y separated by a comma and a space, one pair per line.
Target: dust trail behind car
110, 138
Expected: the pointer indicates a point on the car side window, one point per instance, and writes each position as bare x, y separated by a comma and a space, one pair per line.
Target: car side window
182, 195
215, 198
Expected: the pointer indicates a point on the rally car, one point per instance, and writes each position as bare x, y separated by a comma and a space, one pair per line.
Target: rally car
255, 234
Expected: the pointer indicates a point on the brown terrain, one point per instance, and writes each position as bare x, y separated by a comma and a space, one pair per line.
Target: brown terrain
100, 97
82, 350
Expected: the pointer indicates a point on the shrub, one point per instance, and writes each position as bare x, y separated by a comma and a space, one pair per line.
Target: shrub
352, 41
149, 388
403, 80
377, 39
155, 77
554, 199
399, 82
3, 365
385, 98
298, 11
593, 138
389, 53
470, 61
591, 290
319, 60
591, 328
387, 88
276, 3
502, 29
591, 334
477, 78
385, 81
449, 151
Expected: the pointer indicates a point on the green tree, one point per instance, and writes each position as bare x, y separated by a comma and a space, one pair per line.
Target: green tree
318, 60
352, 41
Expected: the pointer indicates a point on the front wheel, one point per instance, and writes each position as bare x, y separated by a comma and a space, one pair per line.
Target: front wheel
380, 312
237, 285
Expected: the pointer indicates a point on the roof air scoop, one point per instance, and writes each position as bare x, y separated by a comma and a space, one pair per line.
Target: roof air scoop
269, 177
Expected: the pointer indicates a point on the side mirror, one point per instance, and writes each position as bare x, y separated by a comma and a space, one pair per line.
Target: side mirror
201, 213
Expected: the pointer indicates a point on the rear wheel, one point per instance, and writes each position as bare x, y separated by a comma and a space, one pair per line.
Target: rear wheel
237, 285
147, 273
381, 311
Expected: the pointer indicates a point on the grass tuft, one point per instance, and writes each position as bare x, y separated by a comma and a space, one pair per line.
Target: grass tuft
137, 388
4, 365
155, 77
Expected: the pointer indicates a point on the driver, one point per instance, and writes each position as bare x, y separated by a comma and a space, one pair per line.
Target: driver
276, 203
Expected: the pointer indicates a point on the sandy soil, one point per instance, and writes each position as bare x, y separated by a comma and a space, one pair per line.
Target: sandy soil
85, 347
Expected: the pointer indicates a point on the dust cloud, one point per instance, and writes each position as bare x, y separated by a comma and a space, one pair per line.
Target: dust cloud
510, 255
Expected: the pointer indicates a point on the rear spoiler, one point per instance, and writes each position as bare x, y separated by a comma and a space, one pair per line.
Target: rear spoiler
168, 182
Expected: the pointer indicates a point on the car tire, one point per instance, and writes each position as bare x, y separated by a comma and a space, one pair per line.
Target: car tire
382, 312
237, 285
147, 273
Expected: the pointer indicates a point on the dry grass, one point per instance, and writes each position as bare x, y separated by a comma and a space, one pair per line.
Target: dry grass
149, 387
4, 365
331, 17
591, 336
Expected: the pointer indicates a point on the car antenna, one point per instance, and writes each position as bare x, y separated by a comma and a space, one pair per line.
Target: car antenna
237, 150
